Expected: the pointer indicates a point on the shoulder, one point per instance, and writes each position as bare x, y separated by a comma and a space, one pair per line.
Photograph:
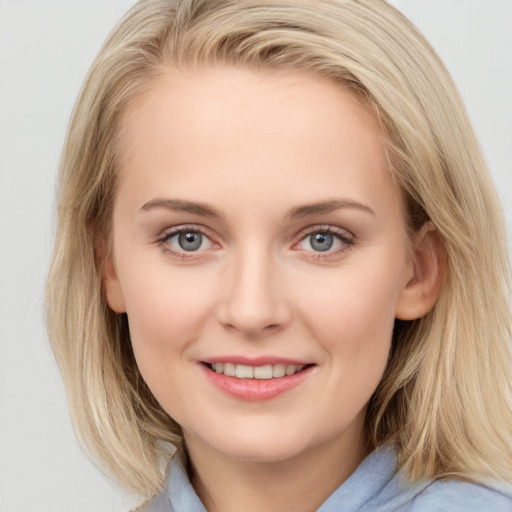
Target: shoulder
390, 490
458, 496
159, 503
177, 494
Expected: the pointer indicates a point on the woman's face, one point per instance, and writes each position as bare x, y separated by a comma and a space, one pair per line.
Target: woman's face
259, 251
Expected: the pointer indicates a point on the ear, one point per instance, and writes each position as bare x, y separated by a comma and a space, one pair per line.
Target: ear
429, 261
111, 284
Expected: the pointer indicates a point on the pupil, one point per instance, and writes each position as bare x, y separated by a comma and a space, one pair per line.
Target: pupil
190, 241
322, 241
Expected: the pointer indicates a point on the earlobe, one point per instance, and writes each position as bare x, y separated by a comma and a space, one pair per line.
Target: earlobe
113, 292
109, 278
421, 291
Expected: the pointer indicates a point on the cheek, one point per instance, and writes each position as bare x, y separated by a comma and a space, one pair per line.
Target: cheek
353, 319
165, 314
352, 303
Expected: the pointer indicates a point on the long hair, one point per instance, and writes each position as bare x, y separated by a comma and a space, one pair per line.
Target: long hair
445, 398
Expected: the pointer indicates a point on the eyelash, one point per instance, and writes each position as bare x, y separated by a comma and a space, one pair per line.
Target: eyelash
163, 241
345, 238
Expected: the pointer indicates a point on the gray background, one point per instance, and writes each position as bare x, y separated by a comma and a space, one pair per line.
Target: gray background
46, 47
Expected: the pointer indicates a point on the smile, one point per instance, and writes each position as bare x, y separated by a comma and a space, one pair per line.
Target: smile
265, 372
256, 382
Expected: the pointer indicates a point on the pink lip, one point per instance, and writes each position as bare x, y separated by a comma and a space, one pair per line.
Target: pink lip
255, 361
255, 389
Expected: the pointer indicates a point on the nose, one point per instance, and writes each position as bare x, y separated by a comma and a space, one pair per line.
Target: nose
253, 302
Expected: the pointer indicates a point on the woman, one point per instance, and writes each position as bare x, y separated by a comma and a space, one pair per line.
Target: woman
280, 252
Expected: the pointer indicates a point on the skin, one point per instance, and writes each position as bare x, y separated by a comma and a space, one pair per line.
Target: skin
254, 148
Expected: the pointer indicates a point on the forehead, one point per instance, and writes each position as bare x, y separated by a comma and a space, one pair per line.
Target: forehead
256, 130
194, 101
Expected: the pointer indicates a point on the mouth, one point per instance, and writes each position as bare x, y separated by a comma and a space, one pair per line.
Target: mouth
264, 372
261, 381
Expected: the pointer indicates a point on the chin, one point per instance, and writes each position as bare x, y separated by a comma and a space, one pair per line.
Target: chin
260, 447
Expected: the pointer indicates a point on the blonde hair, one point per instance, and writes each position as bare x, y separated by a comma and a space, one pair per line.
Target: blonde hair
445, 399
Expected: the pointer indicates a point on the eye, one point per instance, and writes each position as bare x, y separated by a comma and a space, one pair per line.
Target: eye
325, 241
187, 240
321, 241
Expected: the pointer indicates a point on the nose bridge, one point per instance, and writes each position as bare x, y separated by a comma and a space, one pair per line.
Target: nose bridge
253, 302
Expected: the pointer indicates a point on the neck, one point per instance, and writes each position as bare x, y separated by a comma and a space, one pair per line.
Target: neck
301, 483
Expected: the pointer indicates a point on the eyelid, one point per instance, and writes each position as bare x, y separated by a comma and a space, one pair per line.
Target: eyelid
342, 233
346, 238
170, 232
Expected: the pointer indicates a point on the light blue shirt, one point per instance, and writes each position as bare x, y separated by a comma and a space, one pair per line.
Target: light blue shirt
375, 486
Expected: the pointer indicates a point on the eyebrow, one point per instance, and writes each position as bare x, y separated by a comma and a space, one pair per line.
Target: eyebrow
324, 207
178, 205
320, 208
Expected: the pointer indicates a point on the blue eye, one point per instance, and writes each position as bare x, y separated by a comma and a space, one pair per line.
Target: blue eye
188, 240
321, 241
324, 240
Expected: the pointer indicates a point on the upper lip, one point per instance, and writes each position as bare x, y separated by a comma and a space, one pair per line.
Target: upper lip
255, 361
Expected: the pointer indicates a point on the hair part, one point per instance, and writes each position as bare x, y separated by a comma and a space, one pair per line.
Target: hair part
445, 399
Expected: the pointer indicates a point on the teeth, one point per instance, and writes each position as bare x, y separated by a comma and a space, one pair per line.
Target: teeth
290, 369
229, 369
279, 370
268, 371
244, 372
263, 372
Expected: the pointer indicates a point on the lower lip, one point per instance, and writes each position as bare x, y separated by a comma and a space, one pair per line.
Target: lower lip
255, 389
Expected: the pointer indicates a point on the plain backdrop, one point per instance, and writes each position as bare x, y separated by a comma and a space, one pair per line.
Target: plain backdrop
46, 47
